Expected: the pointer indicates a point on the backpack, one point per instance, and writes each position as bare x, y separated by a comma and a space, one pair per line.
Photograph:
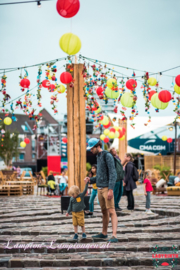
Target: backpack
119, 168
135, 174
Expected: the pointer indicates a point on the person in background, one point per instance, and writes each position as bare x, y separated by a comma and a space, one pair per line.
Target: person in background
94, 191
118, 188
177, 180
63, 182
147, 190
18, 171
129, 183
51, 183
76, 206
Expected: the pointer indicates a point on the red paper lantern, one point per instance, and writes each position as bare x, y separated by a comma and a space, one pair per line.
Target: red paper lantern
164, 96
99, 91
151, 93
66, 77
169, 140
112, 130
25, 83
64, 140
51, 87
27, 141
177, 80
108, 125
131, 84
46, 83
106, 140
67, 8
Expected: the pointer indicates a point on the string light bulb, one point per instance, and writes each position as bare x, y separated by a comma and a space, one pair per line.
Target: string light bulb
39, 4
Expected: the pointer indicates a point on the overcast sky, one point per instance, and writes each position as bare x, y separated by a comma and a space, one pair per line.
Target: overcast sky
142, 34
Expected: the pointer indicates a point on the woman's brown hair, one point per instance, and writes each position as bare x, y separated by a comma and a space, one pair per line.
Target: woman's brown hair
130, 156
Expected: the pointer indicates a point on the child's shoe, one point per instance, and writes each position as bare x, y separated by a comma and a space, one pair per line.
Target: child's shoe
83, 235
149, 212
75, 236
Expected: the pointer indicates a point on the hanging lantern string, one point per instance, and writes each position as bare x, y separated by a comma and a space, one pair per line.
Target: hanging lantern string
28, 91
39, 64
152, 73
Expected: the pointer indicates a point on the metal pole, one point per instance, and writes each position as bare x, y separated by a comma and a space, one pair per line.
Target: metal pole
175, 148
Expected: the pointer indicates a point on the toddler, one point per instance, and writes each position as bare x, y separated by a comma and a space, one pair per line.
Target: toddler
76, 206
147, 190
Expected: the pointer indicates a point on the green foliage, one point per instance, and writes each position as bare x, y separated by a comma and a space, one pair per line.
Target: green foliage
9, 145
164, 170
88, 167
45, 170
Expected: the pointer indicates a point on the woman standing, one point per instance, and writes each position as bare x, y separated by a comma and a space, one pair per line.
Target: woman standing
129, 183
63, 183
94, 192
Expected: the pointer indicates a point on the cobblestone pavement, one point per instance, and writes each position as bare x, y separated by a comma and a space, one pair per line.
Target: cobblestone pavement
35, 235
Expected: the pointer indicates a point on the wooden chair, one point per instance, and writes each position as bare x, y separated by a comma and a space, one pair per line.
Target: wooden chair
22, 176
43, 186
2, 178
32, 178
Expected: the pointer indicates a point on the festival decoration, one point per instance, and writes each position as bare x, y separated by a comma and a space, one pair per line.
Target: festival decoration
177, 89
99, 91
164, 96
67, 8
127, 100
23, 144
27, 141
46, 83
111, 94
169, 140
131, 84
66, 77
104, 121
102, 137
152, 81
111, 135
177, 80
122, 138
157, 103
25, 83
106, 140
112, 84
151, 93
64, 140
70, 43
60, 88
7, 121
106, 132
164, 138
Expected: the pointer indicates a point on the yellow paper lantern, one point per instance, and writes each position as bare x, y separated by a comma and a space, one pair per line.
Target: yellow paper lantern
98, 110
23, 144
7, 121
106, 132
164, 138
122, 138
102, 137
111, 135
104, 121
111, 94
61, 88
116, 134
111, 83
70, 43
152, 81
127, 100
177, 89
157, 103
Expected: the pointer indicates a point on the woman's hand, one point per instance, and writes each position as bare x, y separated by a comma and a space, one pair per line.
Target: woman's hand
67, 214
124, 183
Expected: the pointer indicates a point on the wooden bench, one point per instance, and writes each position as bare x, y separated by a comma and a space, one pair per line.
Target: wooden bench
27, 186
9, 190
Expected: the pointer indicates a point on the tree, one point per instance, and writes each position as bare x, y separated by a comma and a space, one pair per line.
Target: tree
8, 145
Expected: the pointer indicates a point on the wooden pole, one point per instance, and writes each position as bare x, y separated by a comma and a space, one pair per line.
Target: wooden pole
76, 130
123, 144
175, 147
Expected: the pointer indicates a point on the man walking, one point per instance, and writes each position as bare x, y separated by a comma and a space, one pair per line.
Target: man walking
105, 181
118, 188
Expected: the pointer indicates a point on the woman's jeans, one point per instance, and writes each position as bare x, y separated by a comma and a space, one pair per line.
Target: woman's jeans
91, 200
62, 187
130, 199
118, 192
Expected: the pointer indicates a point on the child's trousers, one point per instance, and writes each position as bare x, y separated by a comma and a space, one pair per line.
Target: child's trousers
148, 200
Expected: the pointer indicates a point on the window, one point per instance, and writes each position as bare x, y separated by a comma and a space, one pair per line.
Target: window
21, 156
33, 156
25, 128
33, 145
